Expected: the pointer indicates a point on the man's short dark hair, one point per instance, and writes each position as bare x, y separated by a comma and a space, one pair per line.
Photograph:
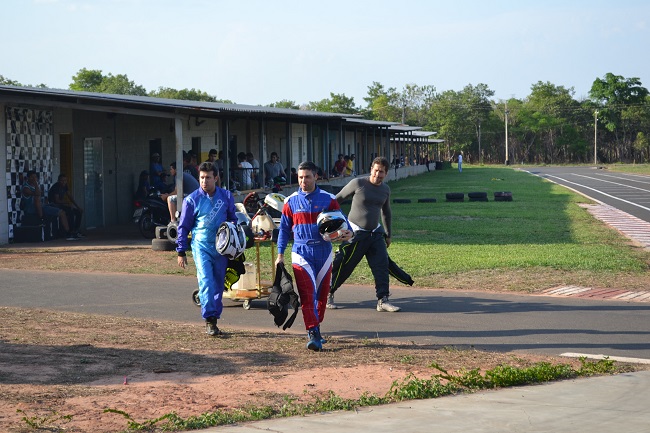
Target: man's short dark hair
209, 167
61, 176
381, 161
274, 153
308, 165
212, 152
30, 172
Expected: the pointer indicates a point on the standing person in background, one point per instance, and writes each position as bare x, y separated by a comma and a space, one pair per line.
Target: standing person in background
203, 212
370, 204
272, 169
188, 166
245, 172
311, 255
460, 162
255, 176
157, 173
350, 168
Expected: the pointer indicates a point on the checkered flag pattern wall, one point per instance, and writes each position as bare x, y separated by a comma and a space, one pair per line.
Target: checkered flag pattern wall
29, 147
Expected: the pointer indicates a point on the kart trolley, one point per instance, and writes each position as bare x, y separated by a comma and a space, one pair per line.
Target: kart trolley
250, 285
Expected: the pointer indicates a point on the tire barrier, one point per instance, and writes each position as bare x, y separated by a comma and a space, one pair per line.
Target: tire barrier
401, 200
455, 196
426, 200
477, 196
503, 196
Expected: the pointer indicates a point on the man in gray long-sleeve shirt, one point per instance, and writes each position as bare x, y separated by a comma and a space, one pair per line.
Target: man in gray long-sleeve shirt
370, 202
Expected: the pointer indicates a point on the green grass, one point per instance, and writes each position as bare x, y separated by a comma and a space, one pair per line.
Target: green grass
410, 388
543, 228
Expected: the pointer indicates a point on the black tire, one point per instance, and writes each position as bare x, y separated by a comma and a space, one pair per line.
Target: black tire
479, 199
172, 232
401, 200
426, 200
480, 194
195, 298
503, 196
455, 196
162, 245
147, 226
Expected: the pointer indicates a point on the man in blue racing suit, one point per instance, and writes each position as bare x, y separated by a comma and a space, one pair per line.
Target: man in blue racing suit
311, 255
202, 213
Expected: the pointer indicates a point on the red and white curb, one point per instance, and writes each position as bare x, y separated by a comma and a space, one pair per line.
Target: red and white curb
589, 293
629, 225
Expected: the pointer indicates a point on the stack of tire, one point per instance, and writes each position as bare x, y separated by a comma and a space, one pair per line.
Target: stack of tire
455, 196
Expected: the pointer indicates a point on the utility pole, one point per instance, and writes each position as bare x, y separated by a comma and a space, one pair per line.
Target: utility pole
507, 162
595, 136
479, 142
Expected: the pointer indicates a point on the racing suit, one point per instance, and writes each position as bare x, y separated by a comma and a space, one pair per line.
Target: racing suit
311, 255
202, 215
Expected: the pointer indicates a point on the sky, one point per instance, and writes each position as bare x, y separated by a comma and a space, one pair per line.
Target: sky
259, 52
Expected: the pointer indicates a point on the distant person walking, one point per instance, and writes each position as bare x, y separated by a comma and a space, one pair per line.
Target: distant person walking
460, 162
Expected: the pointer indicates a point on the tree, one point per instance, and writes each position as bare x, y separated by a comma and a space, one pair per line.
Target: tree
615, 94
382, 104
285, 103
8, 82
184, 94
338, 103
92, 80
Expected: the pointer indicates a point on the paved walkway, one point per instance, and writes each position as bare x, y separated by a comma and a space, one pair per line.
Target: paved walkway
596, 405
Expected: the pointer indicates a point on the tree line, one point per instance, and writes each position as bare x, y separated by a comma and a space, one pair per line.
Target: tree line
549, 126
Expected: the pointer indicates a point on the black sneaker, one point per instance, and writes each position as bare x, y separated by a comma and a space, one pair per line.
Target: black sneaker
211, 327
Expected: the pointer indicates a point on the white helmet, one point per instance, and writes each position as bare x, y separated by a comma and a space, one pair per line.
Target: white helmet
275, 200
231, 240
330, 224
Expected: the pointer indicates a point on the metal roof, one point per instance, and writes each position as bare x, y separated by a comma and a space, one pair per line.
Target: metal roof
176, 106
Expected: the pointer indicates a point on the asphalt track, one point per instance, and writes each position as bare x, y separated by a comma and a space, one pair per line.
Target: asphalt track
625, 191
489, 321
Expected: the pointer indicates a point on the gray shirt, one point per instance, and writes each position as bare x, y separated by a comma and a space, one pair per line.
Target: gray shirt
369, 204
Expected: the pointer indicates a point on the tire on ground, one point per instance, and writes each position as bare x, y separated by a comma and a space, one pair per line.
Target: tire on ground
503, 196
427, 200
162, 245
401, 200
455, 196
477, 196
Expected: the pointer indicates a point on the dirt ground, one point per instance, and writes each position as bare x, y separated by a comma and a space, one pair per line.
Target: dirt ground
61, 371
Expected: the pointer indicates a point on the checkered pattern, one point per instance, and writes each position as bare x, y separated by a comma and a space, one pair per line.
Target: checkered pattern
29, 147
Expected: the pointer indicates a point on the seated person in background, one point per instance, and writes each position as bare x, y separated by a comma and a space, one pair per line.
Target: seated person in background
33, 205
340, 165
189, 185
60, 197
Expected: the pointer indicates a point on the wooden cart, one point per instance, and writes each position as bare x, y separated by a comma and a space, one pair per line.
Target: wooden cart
250, 285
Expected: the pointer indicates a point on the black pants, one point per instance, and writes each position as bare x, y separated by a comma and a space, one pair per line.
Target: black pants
73, 215
372, 245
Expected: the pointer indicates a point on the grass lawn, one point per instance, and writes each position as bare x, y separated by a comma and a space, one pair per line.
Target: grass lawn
541, 239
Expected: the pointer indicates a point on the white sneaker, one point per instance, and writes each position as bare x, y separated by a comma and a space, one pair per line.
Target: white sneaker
330, 302
384, 305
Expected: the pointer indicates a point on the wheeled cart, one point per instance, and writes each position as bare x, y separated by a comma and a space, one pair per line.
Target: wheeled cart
250, 285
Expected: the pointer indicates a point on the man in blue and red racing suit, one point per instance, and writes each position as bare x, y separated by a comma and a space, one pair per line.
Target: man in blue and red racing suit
311, 255
202, 213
